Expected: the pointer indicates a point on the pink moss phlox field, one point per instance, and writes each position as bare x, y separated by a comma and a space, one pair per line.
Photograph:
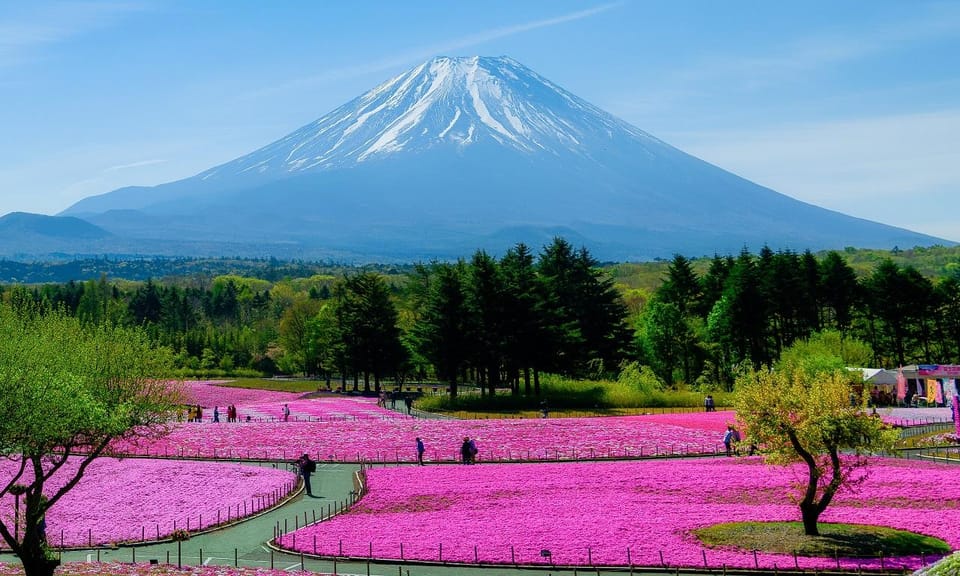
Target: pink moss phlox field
209, 393
708, 421
393, 439
593, 512
322, 408
128, 569
268, 405
130, 499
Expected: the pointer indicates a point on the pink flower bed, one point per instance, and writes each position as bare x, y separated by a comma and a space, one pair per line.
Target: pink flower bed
321, 408
267, 404
593, 513
391, 440
134, 499
209, 393
128, 569
708, 421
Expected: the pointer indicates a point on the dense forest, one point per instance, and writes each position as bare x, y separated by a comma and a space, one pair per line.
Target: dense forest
502, 322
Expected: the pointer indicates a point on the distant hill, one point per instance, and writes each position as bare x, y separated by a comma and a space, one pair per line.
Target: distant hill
464, 153
934, 263
38, 225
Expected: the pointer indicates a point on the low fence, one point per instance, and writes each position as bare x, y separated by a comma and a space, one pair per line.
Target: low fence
592, 558
210, 518
949, 454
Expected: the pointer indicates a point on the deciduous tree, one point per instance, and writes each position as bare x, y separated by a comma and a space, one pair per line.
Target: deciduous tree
810, 410
66, 392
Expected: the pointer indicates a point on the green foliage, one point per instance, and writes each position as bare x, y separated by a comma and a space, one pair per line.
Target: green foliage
565, 393
823, 352
640, 378
694, 321
68, 390
808, 410
366, 321
949, 566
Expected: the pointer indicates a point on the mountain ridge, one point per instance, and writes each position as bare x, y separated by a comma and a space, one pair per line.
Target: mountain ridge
457, 154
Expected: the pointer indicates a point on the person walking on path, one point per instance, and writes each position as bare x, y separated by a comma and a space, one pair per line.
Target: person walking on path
408, 402
286, 412
216, 413
306, 467
420, 450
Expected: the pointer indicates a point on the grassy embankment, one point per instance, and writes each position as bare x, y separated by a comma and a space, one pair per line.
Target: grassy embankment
835, 540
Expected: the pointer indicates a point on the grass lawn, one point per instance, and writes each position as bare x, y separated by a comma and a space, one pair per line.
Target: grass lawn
844, 540
565, 412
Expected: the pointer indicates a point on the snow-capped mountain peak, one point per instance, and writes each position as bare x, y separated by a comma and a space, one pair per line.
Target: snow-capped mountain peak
452, 102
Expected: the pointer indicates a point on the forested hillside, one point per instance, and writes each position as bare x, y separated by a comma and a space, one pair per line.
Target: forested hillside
505, 321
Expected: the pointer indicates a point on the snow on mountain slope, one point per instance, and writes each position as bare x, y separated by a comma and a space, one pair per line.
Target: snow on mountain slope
464, 153
452, 102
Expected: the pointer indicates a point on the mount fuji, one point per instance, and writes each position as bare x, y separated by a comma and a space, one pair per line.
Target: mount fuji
458, 154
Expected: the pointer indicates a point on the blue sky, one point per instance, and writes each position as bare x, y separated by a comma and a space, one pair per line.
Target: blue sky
852, 105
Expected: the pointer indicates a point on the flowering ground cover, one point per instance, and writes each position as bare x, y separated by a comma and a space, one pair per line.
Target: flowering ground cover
594, 513
708, 421
321, 408
128, 569
393, 439
268, 404
209, 393
134, 499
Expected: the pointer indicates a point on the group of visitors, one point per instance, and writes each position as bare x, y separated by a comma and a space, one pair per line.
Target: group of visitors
392, 397
708, 404
468, 451
731, 438
194, 413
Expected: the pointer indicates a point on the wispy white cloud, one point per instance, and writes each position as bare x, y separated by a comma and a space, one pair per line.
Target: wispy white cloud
420, 53
134, 165
45, 24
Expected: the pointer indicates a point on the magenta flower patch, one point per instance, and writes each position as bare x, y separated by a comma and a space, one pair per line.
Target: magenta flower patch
127, 569
593, 513
134, 499
393, 439
209, 393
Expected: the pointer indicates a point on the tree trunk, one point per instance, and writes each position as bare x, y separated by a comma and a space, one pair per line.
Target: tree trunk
526, 381
34, 558
536, 381
39, 565
810, 514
